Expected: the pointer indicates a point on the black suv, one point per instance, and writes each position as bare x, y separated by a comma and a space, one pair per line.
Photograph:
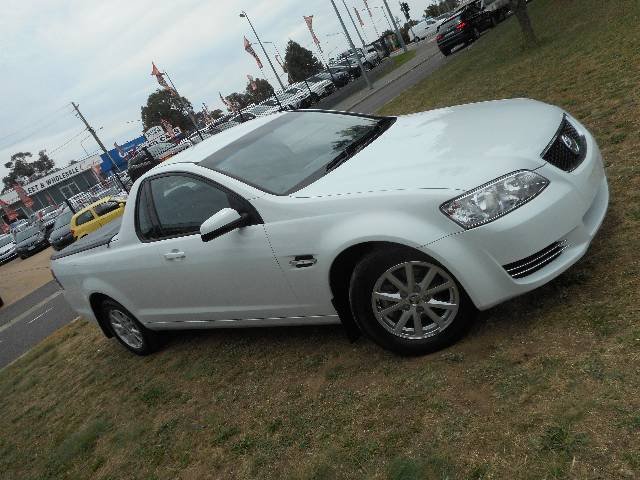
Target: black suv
464, 26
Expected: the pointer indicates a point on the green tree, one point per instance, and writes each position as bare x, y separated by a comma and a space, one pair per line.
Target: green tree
240, 100
263, 90
300, 62
164, 104
519, 7
20, 170
43, 165
216, 114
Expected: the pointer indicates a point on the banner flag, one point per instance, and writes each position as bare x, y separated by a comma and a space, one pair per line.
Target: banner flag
309, 21
249, 49
160, 77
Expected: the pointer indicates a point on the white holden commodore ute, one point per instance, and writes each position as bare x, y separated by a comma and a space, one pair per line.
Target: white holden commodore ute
398, 227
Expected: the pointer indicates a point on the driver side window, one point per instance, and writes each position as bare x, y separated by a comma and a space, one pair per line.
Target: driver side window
179, 205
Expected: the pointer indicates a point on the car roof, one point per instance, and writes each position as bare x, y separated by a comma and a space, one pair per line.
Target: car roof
94, 204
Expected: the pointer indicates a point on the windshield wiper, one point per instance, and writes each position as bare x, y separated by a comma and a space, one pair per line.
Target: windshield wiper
357, 145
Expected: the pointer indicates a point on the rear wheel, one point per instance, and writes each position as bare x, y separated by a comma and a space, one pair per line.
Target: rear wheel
407, 302
127, 329
446, 51
476, 34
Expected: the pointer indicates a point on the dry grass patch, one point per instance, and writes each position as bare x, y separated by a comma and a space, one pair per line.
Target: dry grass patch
544, 387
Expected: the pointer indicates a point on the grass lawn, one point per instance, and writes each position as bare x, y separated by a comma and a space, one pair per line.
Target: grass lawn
401, 59
545, 386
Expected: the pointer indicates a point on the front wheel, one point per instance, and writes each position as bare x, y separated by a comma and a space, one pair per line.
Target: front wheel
407, 302
127, 329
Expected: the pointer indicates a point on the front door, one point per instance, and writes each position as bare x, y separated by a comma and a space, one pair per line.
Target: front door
184, 279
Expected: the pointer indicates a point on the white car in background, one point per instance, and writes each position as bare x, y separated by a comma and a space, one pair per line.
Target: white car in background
427, 28
7, 248
399, 227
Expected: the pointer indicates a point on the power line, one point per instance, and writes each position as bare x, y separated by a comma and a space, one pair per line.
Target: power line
44, 117
33, 132
67, 142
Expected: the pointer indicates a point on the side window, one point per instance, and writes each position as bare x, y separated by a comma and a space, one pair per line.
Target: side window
143, 221
183, 203
106, 207
84, 218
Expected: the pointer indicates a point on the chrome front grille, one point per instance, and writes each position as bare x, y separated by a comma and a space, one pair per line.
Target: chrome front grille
535, 262
559, 152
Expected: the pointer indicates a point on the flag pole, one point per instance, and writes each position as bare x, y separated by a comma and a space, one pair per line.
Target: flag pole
184, 107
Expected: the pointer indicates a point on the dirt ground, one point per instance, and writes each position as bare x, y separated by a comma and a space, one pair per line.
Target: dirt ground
19, 278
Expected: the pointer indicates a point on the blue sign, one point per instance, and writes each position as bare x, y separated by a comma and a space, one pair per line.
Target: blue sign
119, 156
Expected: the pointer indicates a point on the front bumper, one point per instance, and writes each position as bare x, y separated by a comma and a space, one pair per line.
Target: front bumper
31, 249
570, 210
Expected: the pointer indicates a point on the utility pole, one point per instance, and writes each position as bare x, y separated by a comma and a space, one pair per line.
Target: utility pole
243, 14
95, 136
353, 47
184, 107
364, 46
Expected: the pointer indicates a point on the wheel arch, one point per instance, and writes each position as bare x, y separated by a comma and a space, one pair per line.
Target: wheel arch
340, 273
96, 300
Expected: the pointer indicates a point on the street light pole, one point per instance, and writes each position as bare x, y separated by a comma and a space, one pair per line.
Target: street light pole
395, 26
244, 15
353, 47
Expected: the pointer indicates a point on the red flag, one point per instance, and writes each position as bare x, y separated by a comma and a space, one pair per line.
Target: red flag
51, 201
249, 49
252, 82
26, 200
309, 21
160, 77
168, 128
279, 60
9, 212
358, 15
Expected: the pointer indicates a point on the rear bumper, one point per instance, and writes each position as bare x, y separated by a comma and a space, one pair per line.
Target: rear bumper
454, 40
570, 211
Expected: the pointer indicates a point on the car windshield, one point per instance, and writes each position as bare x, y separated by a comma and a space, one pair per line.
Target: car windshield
27, 233
451, 22
292, 150
4, 241
63, 219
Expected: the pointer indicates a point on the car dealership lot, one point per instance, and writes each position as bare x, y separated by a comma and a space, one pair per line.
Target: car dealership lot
544, 386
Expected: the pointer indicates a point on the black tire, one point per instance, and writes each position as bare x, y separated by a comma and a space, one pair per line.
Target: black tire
315, 98
366, 276
476, 34
446, 51
494, 22
148, 339
368, 65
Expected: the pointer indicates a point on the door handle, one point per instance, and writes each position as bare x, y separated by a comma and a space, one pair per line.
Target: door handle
174, 255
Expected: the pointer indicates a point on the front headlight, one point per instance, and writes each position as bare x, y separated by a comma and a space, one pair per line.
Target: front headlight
492, 200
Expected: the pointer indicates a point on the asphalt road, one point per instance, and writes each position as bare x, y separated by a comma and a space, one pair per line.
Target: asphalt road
32, 319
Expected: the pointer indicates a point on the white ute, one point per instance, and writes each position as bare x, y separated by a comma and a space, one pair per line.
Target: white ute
400, 227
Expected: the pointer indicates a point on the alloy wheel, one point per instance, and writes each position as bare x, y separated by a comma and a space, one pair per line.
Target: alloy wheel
415, 300
126, 329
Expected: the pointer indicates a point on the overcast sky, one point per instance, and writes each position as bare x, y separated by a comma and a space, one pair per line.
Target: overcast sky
98, 54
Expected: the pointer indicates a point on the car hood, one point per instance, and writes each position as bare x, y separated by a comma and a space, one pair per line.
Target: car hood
60, 232
458, 148
28, 241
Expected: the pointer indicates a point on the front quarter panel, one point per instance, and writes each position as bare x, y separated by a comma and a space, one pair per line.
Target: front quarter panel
324, 227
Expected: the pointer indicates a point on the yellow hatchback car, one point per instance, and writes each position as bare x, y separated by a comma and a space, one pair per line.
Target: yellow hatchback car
96, 215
